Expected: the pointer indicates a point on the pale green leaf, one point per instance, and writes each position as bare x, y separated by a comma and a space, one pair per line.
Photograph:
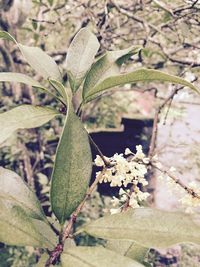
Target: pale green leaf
128, 248
80, 56
60, 89
42, 63
42, 261
24, 117
72, 168
22, 78
95, 257
141, 75
19, 78
14, 189
106, 66
17, 228
148, 227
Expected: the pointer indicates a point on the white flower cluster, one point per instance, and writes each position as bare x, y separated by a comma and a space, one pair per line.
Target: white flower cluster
124, 171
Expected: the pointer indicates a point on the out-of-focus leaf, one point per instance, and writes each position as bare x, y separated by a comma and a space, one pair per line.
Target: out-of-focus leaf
106, 66
19, 78
17, 228
14, 189
22, 78
80, 56
42, 63
95, 257
148, 227
24, 117
141, 75
72, 168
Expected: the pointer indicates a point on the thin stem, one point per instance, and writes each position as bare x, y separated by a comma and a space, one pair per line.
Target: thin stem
105, 160
189, 190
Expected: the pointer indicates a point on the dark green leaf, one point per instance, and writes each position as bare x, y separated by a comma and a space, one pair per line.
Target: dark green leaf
133, 77
80, 56
95, 257
24, 117
106, 66
72, 169
148, 227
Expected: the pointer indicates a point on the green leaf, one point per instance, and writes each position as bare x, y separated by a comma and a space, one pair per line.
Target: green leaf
22, 78
21, 210
60, 89
147, 227
17, 228
7, 36
80, 56
24, 117
42, 261
141, 75
95, 257
72, 168
129, 249
42, 63
106, 66
14, 189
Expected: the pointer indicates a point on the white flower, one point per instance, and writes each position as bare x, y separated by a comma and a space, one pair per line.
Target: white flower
122, 191
133, 202
139, 154
127, 152
115, 211
115, 201
172, 169
98, 161
142, 195
146, 160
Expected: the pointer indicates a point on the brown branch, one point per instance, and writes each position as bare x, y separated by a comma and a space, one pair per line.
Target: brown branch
177, 181
66, 233
156, 120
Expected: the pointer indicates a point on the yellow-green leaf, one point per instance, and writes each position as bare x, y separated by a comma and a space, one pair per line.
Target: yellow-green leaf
14, 189
95, 257
129, 249
17, 228
141, 75
147, 227
42, 63
24, 117
106, 66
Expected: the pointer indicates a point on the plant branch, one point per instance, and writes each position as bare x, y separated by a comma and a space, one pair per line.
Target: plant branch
66, 232
177, 181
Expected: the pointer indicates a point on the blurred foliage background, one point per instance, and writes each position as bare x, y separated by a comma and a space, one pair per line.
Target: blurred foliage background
169, 33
